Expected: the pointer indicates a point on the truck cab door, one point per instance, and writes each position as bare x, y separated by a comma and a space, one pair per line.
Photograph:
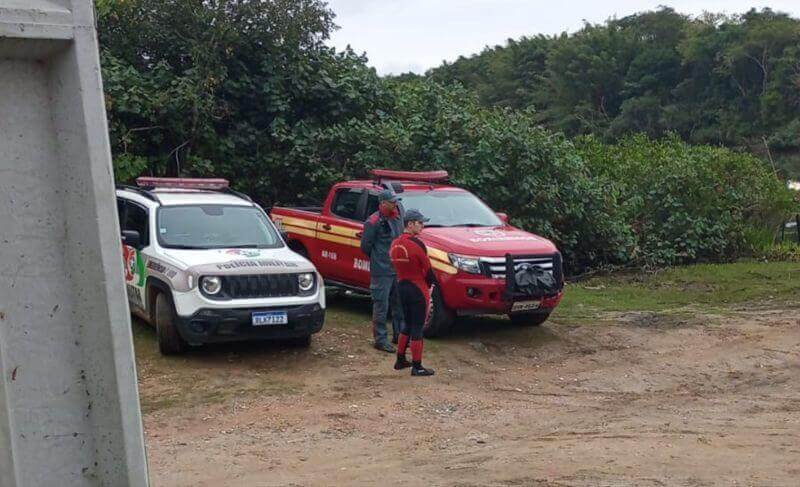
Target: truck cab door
339, 235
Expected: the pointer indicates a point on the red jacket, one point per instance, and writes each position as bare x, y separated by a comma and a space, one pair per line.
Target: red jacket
410, 259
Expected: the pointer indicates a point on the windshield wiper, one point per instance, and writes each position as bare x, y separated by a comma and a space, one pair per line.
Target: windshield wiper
471, 225
185, 247
434, 225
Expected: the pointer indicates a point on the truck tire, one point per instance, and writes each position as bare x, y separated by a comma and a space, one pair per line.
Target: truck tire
169, 340
440, 318
528, 319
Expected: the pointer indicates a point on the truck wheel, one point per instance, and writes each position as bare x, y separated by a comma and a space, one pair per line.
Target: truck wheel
528, 319
169, 340
440, 318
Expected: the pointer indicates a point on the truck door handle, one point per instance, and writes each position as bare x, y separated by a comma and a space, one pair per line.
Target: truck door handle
326, 227
359, 234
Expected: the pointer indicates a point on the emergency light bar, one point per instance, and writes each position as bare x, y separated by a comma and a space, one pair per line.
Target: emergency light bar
423, 177
188, 183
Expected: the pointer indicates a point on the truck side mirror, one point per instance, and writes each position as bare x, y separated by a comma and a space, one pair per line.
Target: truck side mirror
503, 217
131, 238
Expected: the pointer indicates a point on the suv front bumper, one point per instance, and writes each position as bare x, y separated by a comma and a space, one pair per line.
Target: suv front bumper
209, 325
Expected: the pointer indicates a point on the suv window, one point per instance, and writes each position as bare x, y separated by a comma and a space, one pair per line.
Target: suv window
137, 219
345, 203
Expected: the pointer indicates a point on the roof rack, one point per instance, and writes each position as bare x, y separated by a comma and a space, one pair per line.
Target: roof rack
413, 176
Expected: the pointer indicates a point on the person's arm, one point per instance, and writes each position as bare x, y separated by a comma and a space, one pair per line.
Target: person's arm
423, 261
368, 238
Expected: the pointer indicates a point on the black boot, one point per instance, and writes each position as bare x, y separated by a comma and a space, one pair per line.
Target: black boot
401, 363
418, 370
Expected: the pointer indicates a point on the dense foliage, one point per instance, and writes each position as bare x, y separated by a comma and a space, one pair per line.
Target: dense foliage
248, 90
721, 80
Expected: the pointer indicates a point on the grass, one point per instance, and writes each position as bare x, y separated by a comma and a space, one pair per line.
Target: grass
710, 287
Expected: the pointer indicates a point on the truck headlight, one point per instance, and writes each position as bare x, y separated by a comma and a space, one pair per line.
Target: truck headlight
211, 285
305, 281
465, 263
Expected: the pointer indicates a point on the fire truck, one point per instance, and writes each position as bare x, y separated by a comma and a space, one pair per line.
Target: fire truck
482, 264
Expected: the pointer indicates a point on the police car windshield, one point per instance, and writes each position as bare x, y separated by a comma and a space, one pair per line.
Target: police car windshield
451, 209
215, 227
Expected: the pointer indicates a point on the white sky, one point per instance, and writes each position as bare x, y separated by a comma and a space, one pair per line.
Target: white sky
415, 35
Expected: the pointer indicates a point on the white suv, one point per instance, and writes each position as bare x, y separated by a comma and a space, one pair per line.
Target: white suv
205, 264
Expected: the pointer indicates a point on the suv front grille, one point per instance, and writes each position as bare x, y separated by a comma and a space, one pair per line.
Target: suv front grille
495, 267
260, 286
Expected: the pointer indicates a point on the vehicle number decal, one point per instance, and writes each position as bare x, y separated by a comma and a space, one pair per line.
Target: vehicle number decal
327, 254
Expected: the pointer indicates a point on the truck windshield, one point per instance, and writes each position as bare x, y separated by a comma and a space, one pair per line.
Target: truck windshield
451, 209
215, 227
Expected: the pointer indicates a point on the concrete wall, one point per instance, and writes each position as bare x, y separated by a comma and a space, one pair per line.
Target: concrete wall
69, 407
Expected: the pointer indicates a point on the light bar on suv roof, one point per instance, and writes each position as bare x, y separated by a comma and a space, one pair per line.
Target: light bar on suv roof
188, 183
423, 177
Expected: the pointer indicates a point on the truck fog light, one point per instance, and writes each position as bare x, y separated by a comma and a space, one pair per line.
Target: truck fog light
473, 292
211, 285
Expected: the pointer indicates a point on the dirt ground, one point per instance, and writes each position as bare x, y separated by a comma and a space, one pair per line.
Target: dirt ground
630, 399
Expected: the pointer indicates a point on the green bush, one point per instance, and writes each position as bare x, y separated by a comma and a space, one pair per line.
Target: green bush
690, 203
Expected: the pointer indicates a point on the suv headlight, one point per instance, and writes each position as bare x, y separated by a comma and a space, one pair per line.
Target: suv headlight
211, 285
305, 282
465, 263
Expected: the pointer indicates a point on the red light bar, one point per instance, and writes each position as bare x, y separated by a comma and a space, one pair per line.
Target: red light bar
424, 177
189, 183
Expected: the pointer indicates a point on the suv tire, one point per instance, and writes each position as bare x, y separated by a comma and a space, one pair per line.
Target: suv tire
169, 340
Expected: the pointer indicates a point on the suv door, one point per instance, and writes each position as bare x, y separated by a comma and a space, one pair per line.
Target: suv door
339, 235
133, 216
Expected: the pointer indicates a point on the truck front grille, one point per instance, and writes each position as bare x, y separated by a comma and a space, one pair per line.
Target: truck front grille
260, 286
495, 267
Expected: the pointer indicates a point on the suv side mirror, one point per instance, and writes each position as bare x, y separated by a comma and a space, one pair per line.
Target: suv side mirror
503, 217
131, 238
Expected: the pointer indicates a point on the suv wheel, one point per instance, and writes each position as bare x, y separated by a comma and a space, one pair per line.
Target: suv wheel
529, 319
440, 318
169, 340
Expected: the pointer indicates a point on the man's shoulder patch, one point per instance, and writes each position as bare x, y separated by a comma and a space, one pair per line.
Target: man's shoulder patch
373, 218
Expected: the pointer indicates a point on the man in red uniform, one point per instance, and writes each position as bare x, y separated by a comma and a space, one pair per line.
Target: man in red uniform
410, 260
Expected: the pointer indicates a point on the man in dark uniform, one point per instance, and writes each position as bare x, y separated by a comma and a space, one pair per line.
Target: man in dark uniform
410, 259
380, 229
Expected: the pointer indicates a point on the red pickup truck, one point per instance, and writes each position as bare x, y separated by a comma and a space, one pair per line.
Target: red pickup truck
476, 255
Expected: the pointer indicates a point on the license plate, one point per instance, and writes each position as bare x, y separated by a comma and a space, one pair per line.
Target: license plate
525, 306
270, 318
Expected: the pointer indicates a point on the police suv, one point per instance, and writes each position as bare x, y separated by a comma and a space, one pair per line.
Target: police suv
205, 264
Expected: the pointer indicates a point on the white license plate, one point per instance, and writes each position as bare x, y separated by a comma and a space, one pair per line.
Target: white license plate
524, 306
270, 318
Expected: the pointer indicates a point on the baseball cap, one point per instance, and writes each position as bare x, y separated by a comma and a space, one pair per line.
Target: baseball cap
387, 195
415, 216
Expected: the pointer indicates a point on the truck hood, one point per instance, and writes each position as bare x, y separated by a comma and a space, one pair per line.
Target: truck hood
487, 241
240, 261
